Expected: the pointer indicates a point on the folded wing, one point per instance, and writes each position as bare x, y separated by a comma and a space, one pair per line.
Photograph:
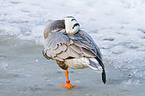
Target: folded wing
60, 46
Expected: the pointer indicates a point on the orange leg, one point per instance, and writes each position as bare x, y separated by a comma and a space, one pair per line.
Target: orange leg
68, 85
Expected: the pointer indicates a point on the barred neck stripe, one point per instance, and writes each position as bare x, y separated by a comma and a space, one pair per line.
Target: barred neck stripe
69, 17
73, 20
77, 24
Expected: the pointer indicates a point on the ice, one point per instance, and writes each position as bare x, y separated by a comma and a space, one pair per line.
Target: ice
117, 26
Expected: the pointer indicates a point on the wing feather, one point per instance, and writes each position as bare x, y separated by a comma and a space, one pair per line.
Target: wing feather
76, 48
90, 42
69, 53
60, 46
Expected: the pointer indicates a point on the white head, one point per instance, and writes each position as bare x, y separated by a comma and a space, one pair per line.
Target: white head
71, 25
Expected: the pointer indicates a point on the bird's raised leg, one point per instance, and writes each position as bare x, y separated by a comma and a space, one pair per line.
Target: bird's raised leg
68, 85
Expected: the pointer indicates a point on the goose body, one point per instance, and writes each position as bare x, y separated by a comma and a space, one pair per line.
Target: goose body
71, 47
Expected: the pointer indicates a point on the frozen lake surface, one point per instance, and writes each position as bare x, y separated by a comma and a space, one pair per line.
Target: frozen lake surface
117, 26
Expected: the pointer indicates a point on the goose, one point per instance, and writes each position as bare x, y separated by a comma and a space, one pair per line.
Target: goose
71, 47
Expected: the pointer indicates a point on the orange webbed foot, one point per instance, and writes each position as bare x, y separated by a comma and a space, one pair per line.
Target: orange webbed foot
68, 85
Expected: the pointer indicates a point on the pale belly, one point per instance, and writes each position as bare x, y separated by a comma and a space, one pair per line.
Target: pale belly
78, 63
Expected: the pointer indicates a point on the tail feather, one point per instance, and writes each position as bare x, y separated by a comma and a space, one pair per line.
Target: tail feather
104, 76
95, 65
103, 73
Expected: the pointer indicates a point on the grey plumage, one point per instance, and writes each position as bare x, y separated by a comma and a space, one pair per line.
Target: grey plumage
55, 25
60, 46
